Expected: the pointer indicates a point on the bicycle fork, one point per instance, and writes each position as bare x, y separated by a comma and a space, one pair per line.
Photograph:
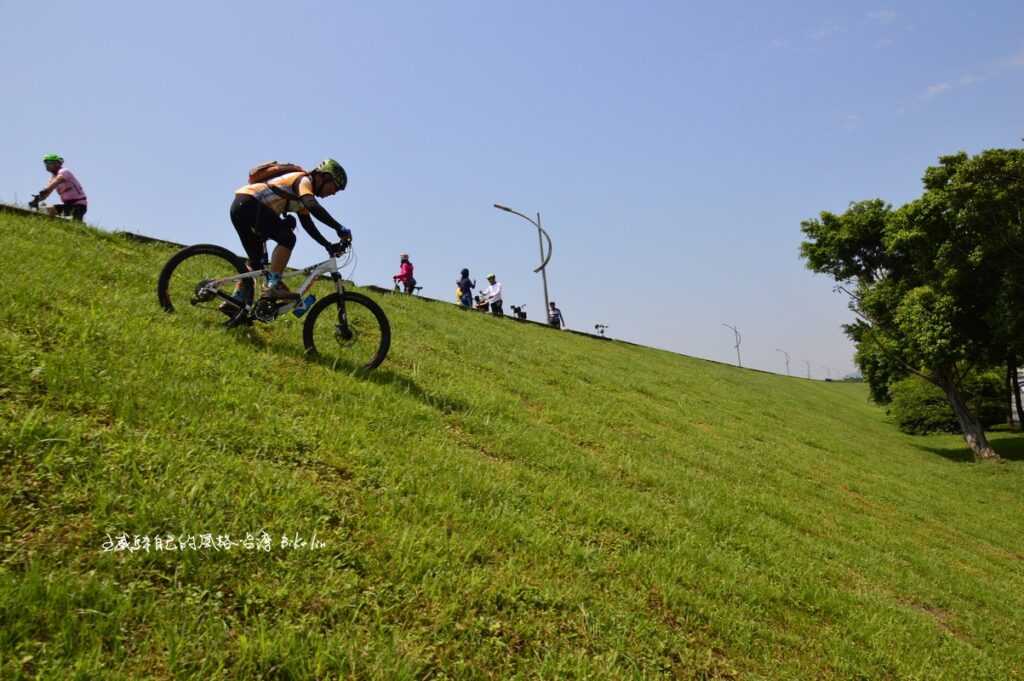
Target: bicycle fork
341, 330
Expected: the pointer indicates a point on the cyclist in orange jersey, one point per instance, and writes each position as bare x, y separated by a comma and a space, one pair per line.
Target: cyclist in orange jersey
258, 213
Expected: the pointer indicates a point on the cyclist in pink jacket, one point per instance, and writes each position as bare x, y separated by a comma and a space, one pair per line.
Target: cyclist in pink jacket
404, 275
73, 200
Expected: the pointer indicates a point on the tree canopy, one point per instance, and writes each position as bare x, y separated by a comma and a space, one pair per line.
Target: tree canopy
937, 284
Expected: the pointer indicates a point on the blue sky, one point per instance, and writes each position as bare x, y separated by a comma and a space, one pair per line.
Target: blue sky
671, 148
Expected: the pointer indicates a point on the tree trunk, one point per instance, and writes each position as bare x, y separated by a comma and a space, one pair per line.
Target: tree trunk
971, 427
1010, 422
1015, 383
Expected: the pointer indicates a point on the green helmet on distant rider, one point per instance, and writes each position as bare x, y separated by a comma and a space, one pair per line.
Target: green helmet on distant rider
74, 202
53, 162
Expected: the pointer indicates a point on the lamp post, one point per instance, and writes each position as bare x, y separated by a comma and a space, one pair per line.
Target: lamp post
541, 235
736, 333
787, 359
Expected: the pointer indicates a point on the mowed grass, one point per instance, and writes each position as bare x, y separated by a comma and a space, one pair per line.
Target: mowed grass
496, 501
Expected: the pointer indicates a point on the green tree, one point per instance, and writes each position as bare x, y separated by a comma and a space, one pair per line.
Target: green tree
936, 284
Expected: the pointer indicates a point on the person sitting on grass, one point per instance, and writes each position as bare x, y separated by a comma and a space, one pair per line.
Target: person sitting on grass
74, 202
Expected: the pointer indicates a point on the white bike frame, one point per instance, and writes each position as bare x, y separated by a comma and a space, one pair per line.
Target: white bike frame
313, 272
44, 208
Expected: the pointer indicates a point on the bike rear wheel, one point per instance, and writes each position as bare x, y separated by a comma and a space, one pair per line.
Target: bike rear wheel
186, 284
349, 332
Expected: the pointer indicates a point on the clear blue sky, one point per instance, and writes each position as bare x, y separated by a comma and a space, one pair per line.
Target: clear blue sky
671, 148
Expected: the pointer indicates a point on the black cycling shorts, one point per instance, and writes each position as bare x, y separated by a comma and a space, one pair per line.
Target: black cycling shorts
75, 210
255, 223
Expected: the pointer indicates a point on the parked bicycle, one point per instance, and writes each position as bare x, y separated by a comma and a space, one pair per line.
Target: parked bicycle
411, 290
343, 328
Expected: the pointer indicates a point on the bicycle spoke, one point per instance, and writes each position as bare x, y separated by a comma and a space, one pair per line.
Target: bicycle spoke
358, 339
190, 285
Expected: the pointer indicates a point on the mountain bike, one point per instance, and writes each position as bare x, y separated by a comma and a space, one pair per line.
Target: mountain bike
52, 211
343, 328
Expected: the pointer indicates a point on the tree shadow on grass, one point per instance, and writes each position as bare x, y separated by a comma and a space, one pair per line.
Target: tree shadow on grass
380, 376
1008, 448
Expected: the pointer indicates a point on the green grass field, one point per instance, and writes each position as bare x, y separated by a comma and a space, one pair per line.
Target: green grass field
497, 501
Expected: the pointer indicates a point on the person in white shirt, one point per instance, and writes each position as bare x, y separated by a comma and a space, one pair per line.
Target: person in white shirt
492, 295
555, 317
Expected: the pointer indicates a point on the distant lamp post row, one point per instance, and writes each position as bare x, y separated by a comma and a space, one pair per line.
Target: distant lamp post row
828, 370
542, 268
736, 335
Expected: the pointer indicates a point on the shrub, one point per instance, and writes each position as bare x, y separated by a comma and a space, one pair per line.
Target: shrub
920, 407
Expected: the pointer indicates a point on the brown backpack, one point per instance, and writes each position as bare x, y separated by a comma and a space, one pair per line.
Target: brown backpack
271, 169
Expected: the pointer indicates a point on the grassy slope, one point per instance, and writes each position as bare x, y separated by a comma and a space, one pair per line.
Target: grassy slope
497, 500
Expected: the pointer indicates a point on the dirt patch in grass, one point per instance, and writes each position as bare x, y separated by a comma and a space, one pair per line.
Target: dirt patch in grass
942, 618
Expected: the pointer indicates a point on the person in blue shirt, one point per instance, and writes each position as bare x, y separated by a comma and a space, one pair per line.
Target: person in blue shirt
466, 286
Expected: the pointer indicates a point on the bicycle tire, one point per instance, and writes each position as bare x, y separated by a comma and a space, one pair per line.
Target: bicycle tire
370, 335
188, 268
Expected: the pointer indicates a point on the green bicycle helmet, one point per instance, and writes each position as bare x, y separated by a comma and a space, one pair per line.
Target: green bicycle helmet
56, 158
334, 169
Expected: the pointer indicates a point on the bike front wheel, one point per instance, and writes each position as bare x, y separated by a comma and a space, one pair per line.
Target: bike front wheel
190, 285
347, 331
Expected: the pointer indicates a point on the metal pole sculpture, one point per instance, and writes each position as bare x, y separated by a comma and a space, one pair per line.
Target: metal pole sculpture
541, 235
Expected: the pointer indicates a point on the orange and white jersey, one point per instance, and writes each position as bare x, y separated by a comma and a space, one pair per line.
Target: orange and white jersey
286, 183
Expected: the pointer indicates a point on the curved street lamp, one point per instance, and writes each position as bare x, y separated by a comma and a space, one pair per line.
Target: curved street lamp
541, 235
736, 333
787, 359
